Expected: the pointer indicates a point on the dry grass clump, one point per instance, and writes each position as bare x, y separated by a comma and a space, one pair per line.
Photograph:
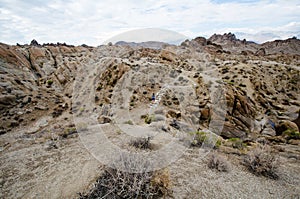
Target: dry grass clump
118, 184
141, 143
261, 161
218, 162
161, 182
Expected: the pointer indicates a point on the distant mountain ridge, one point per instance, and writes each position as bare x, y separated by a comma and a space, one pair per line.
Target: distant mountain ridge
265, 36
228, 42
147, 44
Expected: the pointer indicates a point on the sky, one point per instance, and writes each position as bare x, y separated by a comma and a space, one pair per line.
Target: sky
93, 22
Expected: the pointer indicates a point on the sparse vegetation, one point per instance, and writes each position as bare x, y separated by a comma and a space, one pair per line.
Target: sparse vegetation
49, 82
116, 183
141, 143
67, 132
71, 130
261, 161
291, 134
206, 139
149, 118
129, 122
106, 93
237, 143
218, 162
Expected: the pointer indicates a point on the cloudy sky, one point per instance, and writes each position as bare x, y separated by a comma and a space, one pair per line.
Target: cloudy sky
92, 22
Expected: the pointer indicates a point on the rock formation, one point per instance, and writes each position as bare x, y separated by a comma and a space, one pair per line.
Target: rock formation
259, 87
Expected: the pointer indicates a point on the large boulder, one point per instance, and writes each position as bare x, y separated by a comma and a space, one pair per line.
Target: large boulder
231, 131
269, 129
285, 125
168, 56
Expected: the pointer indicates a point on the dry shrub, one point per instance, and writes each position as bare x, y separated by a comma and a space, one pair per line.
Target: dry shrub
261, 161
218, 162
118, 184
161, 181
141, 143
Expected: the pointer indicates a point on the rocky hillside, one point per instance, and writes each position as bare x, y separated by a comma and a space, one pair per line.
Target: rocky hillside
236, 89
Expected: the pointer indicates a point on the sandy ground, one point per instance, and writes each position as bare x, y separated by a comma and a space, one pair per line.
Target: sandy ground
43, 171
39, 171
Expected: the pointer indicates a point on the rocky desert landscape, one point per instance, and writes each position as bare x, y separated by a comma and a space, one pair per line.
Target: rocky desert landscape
219, 117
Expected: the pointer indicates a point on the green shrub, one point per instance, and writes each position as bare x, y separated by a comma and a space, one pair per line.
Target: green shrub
50, 82
206, 138
237, 143
67, 132
291, 134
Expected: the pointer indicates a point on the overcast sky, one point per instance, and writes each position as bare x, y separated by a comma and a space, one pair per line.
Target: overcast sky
92, 22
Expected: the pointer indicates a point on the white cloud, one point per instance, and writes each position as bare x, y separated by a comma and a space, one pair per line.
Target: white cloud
93, 22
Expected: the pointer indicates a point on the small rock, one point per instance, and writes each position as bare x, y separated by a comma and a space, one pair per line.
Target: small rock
268, 131
165, 128
205, 114
158, 118
40, 107
104, 120
174, 114
294, 142
26, 100
61, 78
175, 124
7, 99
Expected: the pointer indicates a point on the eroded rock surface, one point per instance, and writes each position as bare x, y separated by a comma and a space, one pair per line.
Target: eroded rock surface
41, 154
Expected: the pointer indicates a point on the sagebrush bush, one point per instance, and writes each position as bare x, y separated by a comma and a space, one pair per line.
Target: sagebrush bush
218, 162
262, 162
119, 184
141, 143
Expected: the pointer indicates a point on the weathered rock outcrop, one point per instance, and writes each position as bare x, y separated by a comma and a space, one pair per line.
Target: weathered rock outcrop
258, 85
